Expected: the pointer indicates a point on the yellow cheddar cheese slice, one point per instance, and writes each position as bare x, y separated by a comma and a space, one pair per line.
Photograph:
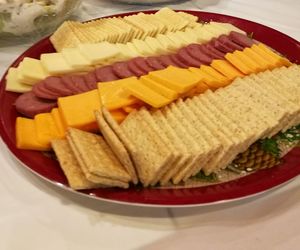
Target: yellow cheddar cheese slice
77, 111
274, 61
58, 122
159, 88
263, 63
215, 74
13, 83
226, 68
238, 63
114, 95
282, 60
177, 79
252, 65
147, 95
209, 80
26, 137
46, 129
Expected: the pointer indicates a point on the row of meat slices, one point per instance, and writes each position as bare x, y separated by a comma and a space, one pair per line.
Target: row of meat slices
44, 94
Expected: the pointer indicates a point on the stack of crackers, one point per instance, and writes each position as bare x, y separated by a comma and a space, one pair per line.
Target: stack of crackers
172, 144
121, 30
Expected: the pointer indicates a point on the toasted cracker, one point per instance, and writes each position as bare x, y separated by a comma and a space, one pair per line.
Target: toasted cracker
116, 145
70, 166
97, 155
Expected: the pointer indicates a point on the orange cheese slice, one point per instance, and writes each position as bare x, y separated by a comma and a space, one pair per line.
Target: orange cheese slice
146, 94
58, 122
255, 67
227, 69
209, 80
77, 111
46, 129
114, 95
238, 63
26, 137
177, 79
159, 88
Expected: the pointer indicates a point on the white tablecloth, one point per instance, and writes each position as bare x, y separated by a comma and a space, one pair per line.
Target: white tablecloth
36, 215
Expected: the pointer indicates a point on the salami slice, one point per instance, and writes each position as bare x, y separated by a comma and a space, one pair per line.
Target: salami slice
135, 69
55, 84
221, 46
179, 63
105, 74
69, 84
196, 51
79, 83
154, 63
121, 70
141, 63
40, 90
30, 105
225, 40
166, 61
216, 53
91, 80
241, 39
185, 57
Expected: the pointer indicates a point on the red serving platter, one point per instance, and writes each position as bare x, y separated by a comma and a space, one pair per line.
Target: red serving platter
259, 182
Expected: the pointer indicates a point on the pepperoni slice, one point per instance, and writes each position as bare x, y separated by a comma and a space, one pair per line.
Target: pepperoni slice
241, 39
187, 59
30, 105
154, 63
56, 85
135, 69
106, 74
121, 70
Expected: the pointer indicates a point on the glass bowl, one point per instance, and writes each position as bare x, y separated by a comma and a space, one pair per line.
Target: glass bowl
28, 20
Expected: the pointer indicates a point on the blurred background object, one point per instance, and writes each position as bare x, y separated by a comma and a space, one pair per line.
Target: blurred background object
28, 20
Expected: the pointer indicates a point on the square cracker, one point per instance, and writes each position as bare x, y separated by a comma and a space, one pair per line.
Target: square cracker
116, 145
153, 156
70, 166
97, 155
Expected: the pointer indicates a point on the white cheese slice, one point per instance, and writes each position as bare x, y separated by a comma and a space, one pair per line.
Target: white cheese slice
13, 84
